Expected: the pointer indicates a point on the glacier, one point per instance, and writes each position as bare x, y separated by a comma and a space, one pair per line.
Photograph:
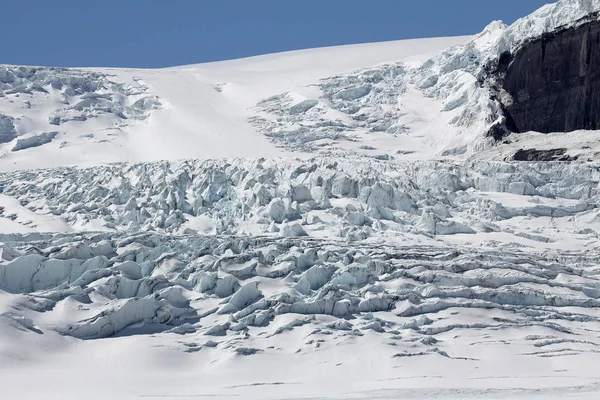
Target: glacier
348, 222
296, 258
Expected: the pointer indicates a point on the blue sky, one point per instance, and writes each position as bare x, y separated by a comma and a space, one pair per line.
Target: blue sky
153, 33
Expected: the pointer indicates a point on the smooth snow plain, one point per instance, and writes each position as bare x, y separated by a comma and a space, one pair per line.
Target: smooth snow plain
320, 224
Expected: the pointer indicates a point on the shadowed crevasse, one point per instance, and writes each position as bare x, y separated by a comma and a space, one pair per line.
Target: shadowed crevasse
554, 82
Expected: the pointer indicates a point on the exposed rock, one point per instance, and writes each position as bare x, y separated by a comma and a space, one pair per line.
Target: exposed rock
552, 84
542, 155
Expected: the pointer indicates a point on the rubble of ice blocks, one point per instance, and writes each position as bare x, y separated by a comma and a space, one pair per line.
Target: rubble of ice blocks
7, 129
34, 141
365, 100
345, 199
236, 292
369, 100
231, 253
81, 94
370, 97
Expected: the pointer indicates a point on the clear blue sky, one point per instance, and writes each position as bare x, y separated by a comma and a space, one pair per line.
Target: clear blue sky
155, 33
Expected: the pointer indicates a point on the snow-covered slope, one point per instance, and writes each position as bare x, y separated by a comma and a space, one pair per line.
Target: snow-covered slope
201, 111
409, 100
322, 224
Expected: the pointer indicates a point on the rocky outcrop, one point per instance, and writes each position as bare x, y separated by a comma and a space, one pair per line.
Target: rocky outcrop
552, 83
541, 155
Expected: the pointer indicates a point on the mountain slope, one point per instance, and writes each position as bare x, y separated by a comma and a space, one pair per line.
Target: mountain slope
184, 112
409, 100
354, 222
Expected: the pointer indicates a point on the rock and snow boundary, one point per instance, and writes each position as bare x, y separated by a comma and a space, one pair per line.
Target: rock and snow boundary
407, 100
382, 111
235, 266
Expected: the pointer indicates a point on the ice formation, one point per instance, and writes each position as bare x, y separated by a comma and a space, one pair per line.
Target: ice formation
143, 263
394, 231
353, 106
44, 102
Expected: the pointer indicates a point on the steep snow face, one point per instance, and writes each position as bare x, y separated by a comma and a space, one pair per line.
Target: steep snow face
445, 106
459, 76
561, 14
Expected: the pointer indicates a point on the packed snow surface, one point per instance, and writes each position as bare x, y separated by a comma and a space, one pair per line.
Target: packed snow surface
321, 224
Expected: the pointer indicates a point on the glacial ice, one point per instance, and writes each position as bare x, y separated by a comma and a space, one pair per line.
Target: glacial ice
322, 249
34, 141
83, 95
337, 258
351, 106
7, 129
361, 198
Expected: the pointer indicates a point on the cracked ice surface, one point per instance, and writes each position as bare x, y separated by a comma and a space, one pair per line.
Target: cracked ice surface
347, 199
315, 276
439, 103
365, 100
241, 292
242, 251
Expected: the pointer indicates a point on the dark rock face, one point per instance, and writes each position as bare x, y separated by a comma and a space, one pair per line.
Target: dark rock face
541, 155
554, 82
